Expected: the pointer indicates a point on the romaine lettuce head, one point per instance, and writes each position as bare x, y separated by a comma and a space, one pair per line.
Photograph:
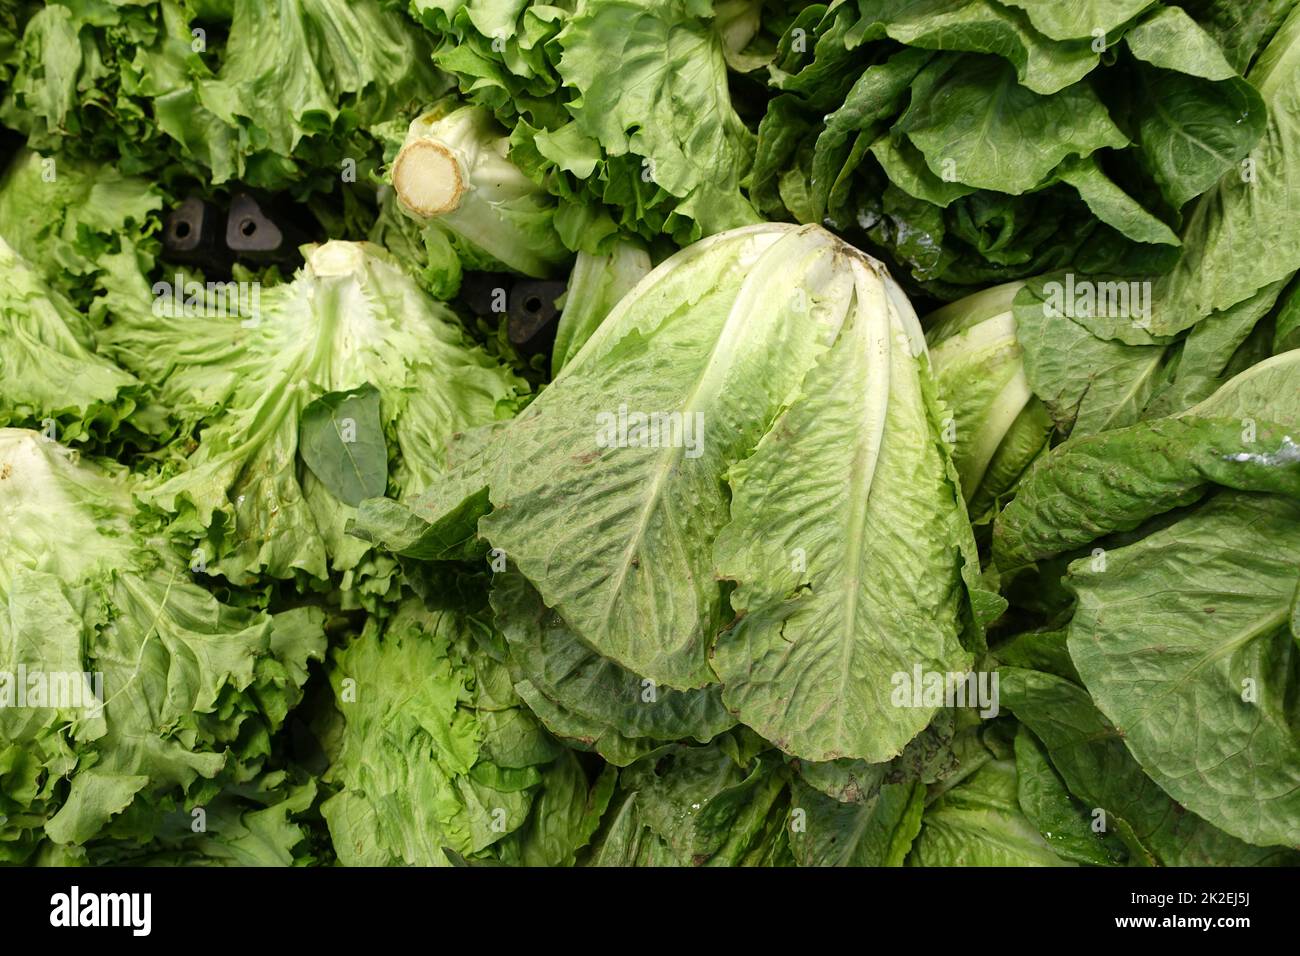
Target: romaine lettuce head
298, 402
978, 142
128, 690
739, 479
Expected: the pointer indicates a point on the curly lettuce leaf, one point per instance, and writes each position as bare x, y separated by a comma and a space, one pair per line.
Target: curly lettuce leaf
351, 318
179, 693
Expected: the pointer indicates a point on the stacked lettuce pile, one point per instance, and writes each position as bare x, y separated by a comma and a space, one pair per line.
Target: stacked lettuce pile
339, 576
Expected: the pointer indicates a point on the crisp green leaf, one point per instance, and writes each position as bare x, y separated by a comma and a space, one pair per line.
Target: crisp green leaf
1170, 39
52, 378
652, 83
985, 26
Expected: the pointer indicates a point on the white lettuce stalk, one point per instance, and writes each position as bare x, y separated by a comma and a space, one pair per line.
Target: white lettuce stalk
596, 284
757, 410
453, 170
997, 426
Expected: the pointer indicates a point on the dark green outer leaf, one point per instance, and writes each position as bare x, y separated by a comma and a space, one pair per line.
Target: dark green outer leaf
1207, 354
971, 118
874, 98
1240, 236
1184, 641
1064, 823
1093, 486
1089, 384
1090, 756
579, 680
1075, 19
1286, 335
978, 822
342, 442
878, 832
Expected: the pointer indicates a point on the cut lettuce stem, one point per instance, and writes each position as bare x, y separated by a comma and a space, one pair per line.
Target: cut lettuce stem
453, 174
428, 178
